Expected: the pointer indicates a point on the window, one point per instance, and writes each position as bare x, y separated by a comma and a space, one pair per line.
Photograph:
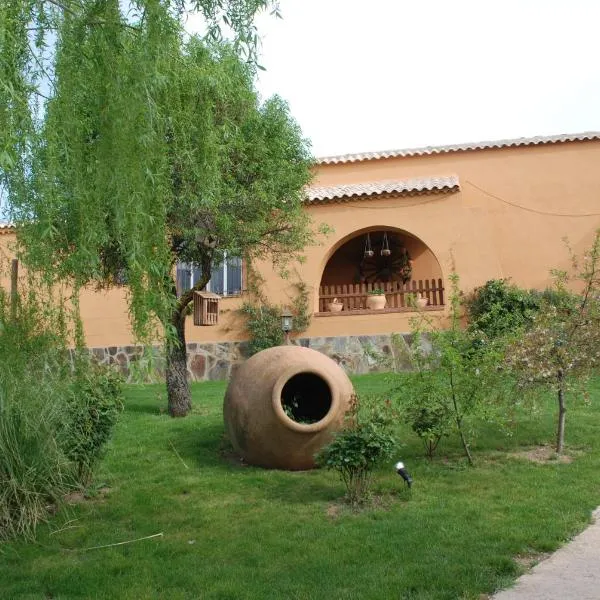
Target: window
226, 278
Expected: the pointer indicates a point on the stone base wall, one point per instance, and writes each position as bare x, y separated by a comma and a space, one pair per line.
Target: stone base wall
214, 361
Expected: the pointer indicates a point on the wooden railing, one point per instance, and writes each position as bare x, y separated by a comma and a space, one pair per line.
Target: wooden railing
354, 295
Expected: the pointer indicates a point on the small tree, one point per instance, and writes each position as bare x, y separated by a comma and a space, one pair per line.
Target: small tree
146, 149
562, 348
456, 378
365, 442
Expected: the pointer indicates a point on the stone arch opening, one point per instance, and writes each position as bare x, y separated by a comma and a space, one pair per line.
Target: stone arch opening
383, 258
348, 263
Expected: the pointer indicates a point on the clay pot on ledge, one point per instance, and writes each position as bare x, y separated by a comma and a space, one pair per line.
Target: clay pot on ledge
422, 301
335, 306
376, 301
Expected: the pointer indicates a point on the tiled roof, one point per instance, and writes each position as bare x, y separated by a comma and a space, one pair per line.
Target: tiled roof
6, 228
405, 186
428, 150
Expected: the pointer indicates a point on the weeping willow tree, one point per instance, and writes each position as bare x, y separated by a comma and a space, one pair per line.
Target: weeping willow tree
127, 147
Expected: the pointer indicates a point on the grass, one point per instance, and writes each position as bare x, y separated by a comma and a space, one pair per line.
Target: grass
233, 532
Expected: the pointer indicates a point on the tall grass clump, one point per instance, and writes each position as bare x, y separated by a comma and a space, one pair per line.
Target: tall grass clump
55, 416
34, 469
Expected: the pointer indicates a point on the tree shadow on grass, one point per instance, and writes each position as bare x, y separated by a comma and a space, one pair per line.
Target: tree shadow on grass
146, 403
210, 448
199, 447
144, 408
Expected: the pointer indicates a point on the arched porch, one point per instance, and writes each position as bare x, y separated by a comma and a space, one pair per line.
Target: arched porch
395, 262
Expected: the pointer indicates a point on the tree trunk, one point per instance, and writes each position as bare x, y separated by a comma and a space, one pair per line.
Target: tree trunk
178, 387
560, 435
459, 423
465, 444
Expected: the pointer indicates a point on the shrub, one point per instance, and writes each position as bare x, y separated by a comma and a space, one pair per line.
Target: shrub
264, 326
34, 388
499, 307
95, 402
365, 442
263, 320
456, 378
54, 420
430, 418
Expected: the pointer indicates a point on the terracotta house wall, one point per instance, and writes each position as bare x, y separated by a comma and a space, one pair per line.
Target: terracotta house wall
508, 219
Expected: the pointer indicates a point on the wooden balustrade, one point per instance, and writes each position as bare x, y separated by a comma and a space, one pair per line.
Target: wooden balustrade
354, 295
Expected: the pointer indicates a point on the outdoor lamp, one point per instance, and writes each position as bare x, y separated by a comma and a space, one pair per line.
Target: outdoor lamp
286, 324
401, 470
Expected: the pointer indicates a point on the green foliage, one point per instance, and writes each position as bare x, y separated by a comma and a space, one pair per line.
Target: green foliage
263, 319
34, 375
498, 307
263, 322
95, 403
430, 418
365, 442
456, 379
561, 349
501, 308
148, 147
54, 421
376, 292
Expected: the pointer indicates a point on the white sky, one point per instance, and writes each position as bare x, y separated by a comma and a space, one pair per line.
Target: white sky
364, 75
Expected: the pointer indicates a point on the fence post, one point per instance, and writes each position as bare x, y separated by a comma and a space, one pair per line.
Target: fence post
14, 293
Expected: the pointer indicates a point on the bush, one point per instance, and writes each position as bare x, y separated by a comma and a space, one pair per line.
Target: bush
456, 379
366, 441
431, 419
34, 387
54, 420
95, 402
499, 307
264, 326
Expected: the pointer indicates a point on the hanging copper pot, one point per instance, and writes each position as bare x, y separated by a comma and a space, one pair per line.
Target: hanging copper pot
368, 249
385, 246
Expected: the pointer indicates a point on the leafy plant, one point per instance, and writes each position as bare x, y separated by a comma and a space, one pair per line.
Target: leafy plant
263, 319
54, 419
365, 442
562, 348
430, 420
95, 402
376, 292
456, 378
499, 307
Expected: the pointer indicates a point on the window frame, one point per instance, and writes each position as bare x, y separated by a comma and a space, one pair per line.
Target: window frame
223, 267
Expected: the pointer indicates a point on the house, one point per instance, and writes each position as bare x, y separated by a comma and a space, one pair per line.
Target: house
401, 221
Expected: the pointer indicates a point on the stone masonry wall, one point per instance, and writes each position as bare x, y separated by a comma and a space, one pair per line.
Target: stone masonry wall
214, 361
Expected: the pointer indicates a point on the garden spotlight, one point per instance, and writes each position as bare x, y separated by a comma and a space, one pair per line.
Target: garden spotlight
401, 470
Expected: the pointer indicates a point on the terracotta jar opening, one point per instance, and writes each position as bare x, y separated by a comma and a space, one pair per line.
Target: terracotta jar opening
306, 398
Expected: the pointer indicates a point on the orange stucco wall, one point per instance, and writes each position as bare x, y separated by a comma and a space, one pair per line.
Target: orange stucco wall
514, 207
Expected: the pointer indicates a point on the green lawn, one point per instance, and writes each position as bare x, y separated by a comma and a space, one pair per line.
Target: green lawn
234, 532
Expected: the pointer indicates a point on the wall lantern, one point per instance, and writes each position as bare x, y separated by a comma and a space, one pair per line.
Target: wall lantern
287, 323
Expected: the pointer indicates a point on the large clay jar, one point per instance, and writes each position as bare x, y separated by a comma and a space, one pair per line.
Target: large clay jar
283, 404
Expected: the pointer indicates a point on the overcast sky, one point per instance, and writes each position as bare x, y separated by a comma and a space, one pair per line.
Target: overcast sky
364, 75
